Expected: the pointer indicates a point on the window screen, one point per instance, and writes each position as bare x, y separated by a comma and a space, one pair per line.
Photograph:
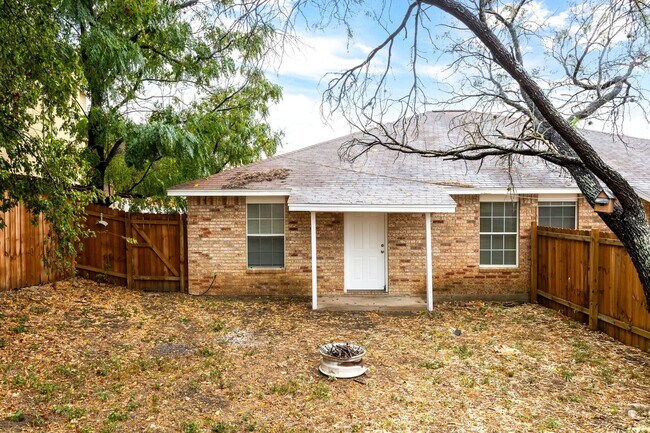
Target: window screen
498, 234
265, 232
560, 214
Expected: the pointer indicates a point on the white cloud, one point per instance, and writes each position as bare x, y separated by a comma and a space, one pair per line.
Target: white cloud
538, 15
635, 125
441, 73
299, 117
314, 56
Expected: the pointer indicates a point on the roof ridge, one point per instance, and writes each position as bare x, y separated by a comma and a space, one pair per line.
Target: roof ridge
302, 149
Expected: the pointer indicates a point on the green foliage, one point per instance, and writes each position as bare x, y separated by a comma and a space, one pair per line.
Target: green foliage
463, 352
171, 91
432, 365
40, 160
224, 427
206, 352
319, 391
18, 416
175, 92
19, 329
551, 423
117, 415
217, 326
190, 427
70, 411
291, 387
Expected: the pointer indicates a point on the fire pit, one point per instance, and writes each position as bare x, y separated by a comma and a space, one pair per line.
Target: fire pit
342, 360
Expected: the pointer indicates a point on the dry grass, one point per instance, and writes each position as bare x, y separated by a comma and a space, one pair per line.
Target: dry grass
86, 357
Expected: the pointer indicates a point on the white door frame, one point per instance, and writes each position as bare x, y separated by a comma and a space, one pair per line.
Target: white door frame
346, 264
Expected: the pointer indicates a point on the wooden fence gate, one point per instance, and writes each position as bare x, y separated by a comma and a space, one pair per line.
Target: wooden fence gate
141, 251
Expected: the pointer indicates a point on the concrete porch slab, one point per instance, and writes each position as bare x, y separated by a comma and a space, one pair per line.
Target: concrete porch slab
375, 302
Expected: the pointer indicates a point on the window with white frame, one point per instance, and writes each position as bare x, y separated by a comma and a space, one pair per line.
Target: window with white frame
560, 214
265, 233
498, 233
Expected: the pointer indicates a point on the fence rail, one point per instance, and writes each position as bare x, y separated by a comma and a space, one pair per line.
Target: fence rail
588, 275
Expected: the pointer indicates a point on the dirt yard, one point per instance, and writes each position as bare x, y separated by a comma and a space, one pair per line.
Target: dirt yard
80, 356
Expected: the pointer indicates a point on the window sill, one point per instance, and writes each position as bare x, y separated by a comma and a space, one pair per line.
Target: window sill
504, 268
265, 270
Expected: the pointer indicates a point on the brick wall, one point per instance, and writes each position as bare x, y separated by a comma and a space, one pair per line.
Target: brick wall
407, 260
217, 243
216, 230
329, 251
455, 247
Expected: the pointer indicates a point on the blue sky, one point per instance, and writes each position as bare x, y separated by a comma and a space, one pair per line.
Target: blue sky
302, 74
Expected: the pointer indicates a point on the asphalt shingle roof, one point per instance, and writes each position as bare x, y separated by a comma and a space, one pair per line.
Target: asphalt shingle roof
317, 175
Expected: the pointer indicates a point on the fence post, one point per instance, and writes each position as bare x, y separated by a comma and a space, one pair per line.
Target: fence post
533, 262
128, 233
594, 244
181, 265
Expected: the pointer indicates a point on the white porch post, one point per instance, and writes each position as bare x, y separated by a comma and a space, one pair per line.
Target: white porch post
314, 280
429, 263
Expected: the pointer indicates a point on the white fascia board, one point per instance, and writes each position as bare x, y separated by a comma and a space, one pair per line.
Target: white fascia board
258, 199
546, 191
228, 192
557, 197
388, 208
506, 191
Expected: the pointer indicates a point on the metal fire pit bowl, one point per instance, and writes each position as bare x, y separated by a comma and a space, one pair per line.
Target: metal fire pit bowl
342, 368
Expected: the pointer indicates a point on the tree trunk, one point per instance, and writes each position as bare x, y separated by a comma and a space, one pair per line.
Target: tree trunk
634, 232
95, 135
96, 149
629, 221
630, 226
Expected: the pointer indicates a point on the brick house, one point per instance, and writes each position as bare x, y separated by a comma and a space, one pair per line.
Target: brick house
310, 223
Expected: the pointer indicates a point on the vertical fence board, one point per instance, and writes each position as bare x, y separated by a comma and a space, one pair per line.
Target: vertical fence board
589, 276
128, 233
142, 266
593, 279
181, 239
22, 250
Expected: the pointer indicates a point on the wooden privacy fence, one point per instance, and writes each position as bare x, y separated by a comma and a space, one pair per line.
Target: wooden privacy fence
22, 250
141, 251
588, 275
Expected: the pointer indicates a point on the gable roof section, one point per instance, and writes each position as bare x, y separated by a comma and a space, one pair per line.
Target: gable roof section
315, 178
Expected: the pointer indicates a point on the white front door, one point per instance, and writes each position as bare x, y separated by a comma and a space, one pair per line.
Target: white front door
365, 252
